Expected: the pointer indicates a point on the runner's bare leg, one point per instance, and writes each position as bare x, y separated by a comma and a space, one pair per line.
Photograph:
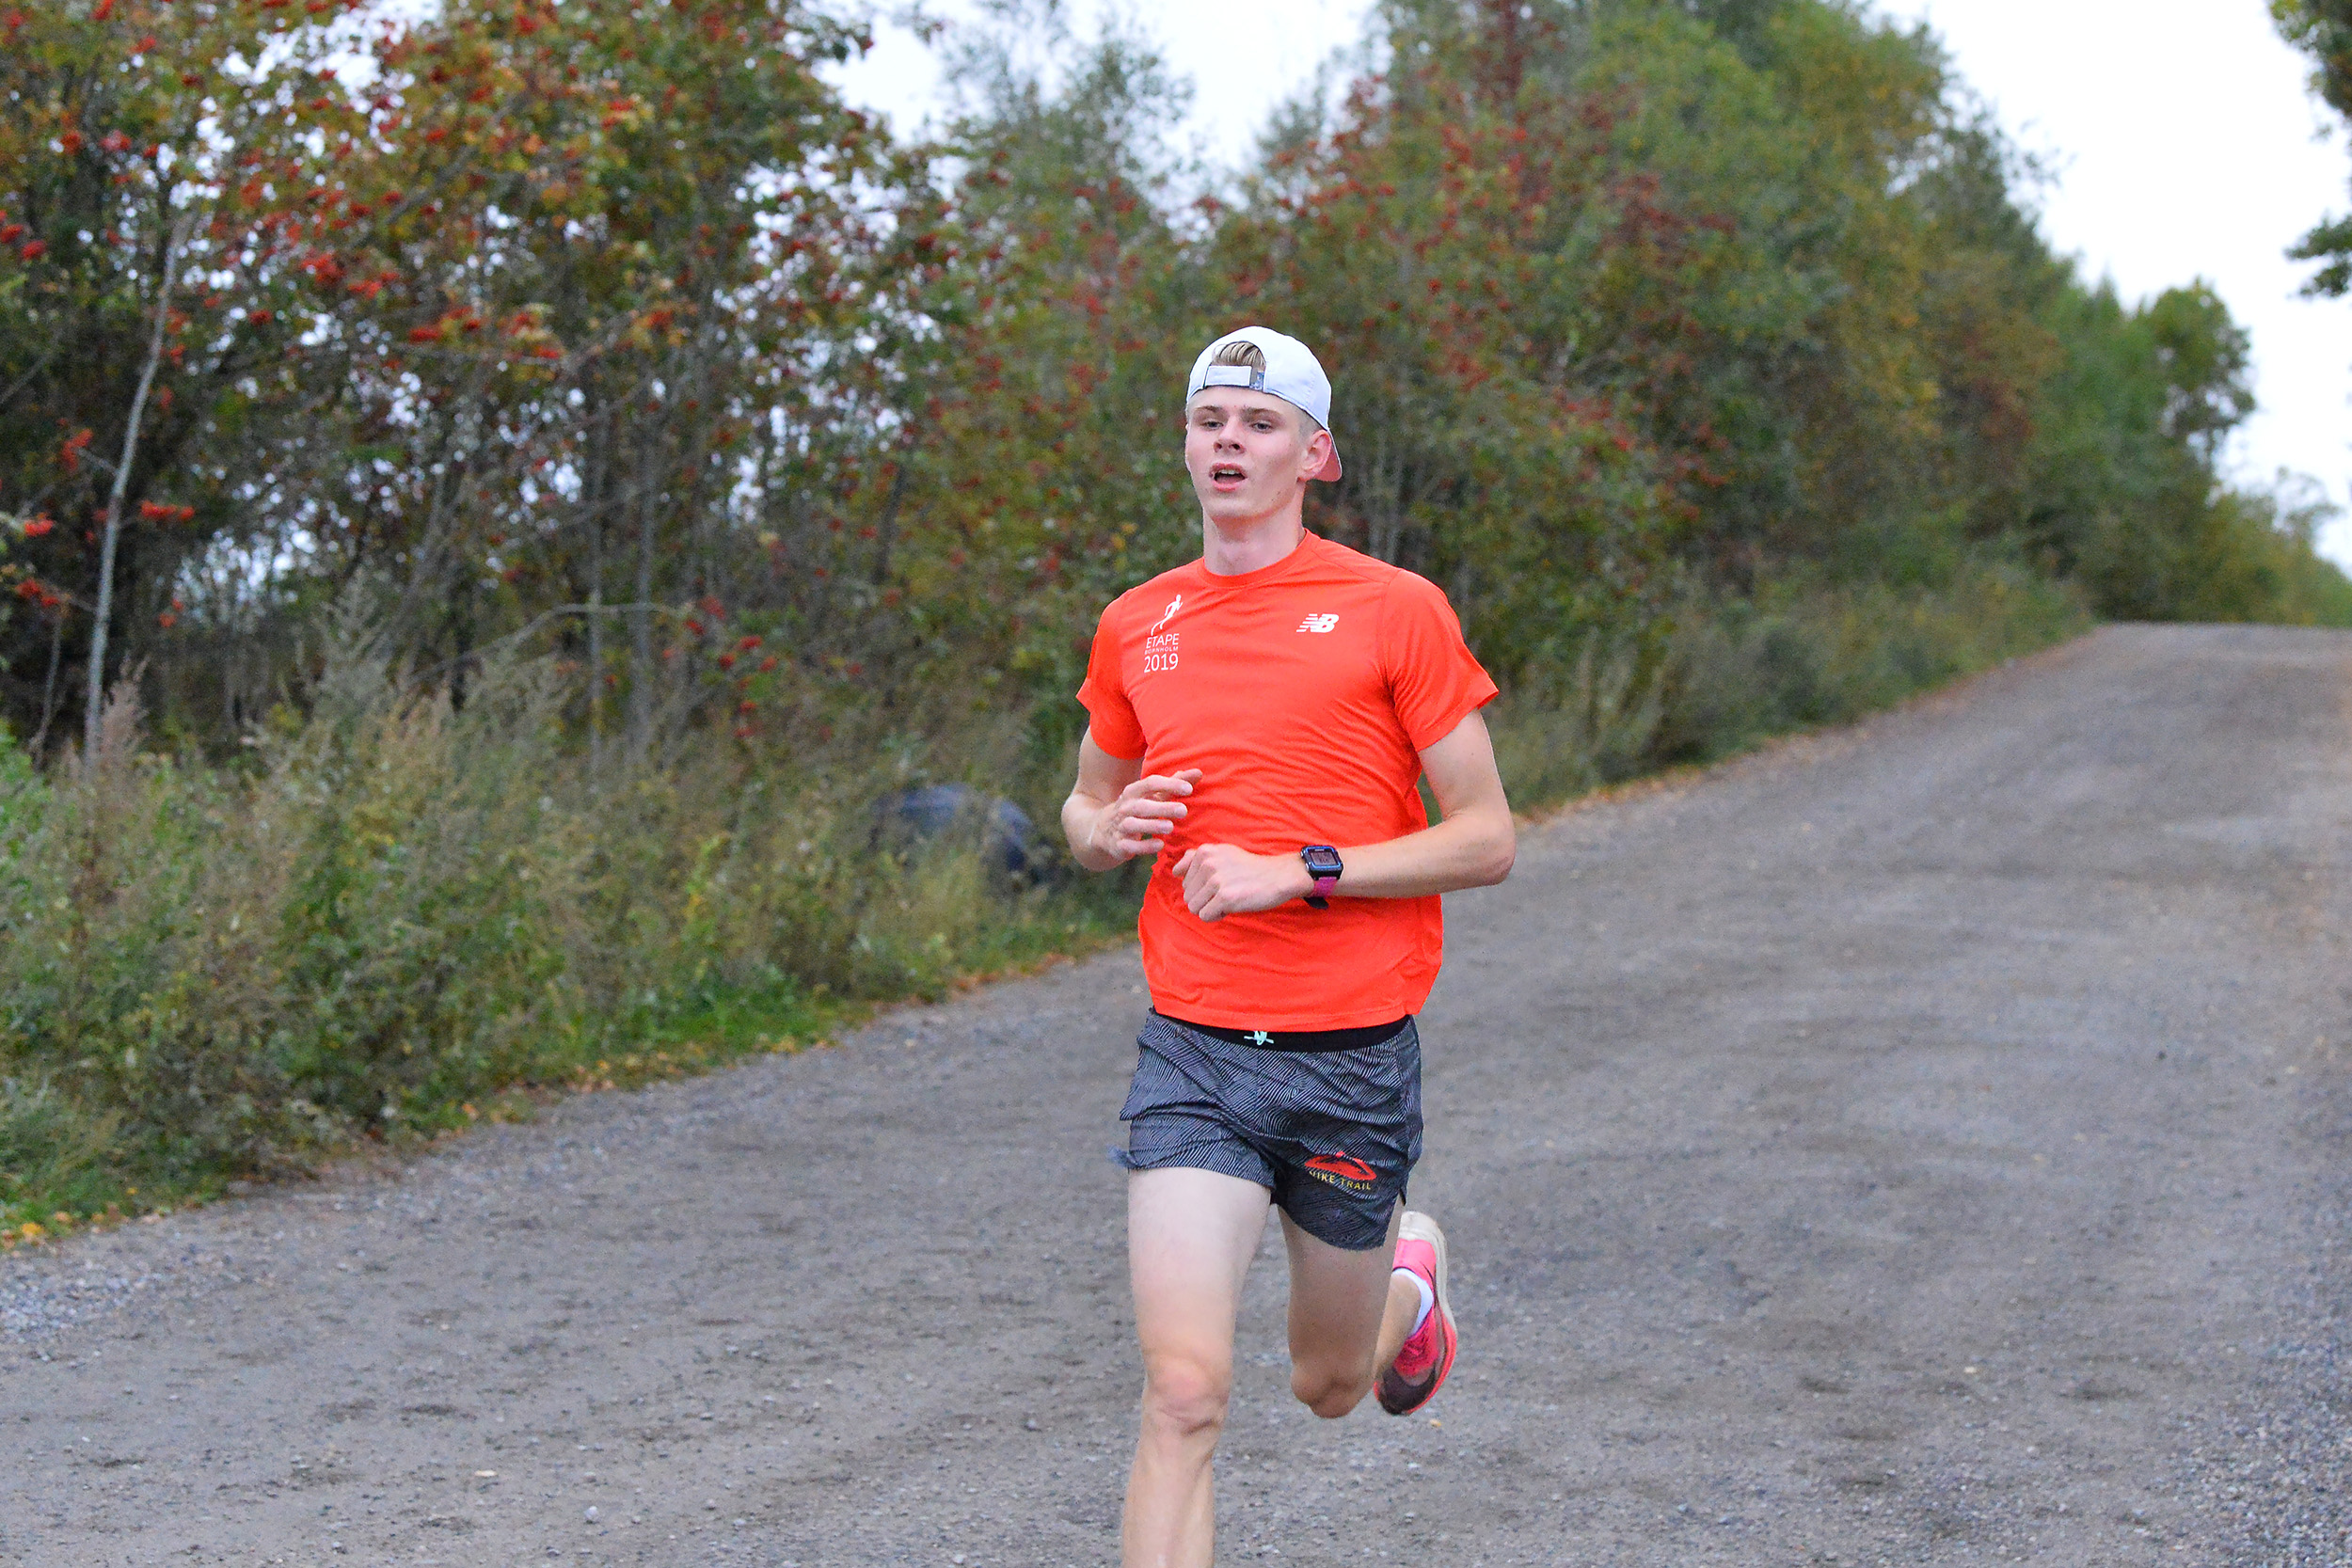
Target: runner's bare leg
1190, 1237
1348, 1316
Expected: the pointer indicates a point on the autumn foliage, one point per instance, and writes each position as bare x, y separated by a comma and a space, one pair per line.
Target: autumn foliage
610, 325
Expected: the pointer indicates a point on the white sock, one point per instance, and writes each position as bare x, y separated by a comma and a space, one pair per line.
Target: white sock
1428, 1300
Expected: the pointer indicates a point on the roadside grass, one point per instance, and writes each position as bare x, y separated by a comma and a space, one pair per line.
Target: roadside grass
1803, 653
402, 919
65, 1167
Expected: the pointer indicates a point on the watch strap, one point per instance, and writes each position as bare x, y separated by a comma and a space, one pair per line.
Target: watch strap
1326, 882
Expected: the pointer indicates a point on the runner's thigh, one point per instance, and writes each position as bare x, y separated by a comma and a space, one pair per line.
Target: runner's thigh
1190, 1236
1337, 1297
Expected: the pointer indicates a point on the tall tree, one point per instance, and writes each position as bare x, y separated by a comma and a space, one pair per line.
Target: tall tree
2323, 30
595, 296
1051, 479
153, 160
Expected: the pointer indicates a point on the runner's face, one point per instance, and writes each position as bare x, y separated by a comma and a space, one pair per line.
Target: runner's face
1247, 453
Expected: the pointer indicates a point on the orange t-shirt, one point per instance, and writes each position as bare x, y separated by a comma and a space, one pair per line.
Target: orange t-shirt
1304, 692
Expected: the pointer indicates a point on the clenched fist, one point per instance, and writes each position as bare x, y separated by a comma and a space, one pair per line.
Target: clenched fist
1221, 879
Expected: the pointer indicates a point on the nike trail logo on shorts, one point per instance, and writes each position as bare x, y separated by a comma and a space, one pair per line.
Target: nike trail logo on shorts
1343, 1171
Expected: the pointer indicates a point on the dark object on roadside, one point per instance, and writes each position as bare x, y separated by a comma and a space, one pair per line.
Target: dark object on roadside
957, 813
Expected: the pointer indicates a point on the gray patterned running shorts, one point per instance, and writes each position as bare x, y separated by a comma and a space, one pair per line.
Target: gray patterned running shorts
1333, 1134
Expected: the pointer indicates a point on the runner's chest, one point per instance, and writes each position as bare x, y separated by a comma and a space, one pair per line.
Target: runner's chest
1232, 675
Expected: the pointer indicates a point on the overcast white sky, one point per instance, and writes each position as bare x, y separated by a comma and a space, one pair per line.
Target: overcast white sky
2184, 143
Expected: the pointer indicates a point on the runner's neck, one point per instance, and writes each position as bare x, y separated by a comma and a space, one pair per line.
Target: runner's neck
1235, 549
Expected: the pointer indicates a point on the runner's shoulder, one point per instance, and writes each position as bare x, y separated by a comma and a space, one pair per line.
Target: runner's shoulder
1378, 576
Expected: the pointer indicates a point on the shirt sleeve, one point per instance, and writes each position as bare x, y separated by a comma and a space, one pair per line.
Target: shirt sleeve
1435, 681
1112, 716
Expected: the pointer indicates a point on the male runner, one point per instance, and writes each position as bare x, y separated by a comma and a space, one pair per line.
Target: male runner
1286, 694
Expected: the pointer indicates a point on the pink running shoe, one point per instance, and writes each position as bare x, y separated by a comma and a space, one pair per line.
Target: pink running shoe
1425, 1359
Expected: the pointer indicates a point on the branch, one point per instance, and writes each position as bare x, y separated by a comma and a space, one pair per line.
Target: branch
27, 379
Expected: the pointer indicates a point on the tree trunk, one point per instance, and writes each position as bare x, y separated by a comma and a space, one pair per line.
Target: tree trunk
49, 686
593, 488
640, 677
94, 703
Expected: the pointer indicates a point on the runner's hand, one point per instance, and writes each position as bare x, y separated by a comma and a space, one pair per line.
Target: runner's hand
1146, 812
1221, 879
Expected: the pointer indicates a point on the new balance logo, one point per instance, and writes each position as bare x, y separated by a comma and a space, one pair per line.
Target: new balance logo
1318, 622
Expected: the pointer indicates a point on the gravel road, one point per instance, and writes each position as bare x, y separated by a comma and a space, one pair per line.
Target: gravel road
1921, 1144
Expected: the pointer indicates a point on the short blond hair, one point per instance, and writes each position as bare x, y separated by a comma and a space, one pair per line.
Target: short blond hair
1249, 357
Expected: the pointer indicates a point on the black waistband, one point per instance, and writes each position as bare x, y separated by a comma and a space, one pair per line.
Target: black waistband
1302, 1040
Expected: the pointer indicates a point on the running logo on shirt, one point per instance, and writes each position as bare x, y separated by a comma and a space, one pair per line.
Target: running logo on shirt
1343, 1171
1318, 622
1159, 647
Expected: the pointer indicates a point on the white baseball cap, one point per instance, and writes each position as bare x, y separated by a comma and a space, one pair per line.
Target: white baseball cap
1292, 373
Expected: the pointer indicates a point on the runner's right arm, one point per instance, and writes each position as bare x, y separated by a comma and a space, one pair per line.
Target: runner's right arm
1115, 813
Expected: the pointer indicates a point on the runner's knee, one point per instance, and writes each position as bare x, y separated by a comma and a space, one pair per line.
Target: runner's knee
1328, 1393
1184, 1398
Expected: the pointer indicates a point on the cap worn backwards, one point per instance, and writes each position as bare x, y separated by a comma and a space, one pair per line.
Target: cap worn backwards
1291, 372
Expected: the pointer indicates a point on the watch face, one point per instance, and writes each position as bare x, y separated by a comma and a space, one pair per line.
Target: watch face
1321, 861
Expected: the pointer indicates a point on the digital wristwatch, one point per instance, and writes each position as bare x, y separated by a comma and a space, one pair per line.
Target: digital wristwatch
1323, 864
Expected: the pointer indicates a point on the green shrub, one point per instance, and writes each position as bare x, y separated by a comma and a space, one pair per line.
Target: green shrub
1804, 652
1801, 651
402, 908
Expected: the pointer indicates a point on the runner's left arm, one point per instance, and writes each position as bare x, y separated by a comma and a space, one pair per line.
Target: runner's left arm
1472, 846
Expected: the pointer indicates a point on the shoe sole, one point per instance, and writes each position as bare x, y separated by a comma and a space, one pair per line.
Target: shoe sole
1420, 1228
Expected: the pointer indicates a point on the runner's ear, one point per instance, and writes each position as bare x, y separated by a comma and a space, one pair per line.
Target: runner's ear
1329, 472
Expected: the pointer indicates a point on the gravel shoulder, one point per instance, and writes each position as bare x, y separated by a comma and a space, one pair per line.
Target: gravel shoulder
1920, 1144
